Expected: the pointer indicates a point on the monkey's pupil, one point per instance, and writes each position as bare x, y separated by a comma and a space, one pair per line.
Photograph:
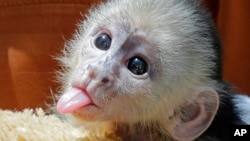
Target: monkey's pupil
137, 66
103, 42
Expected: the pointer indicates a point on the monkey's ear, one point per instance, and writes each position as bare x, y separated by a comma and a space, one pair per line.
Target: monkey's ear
195, 117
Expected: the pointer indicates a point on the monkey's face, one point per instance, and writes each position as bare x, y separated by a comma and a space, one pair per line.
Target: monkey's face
133, 62
113, 75
142, 61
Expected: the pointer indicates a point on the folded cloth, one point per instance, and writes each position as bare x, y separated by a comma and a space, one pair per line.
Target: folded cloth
36, 125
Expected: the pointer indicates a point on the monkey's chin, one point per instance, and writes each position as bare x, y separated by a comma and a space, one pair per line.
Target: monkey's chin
88, 113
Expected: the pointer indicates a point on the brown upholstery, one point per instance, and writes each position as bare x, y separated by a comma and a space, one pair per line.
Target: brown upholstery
234, 27
32, 31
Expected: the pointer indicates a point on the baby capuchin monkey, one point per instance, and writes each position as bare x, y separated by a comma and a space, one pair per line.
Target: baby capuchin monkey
153, 69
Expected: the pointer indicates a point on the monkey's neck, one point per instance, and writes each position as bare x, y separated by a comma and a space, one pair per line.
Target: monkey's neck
140, 132
132, 132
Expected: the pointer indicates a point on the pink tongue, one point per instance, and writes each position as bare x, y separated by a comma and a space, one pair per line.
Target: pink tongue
72, 100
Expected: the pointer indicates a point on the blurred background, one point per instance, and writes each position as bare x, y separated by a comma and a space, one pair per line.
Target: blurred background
33, 31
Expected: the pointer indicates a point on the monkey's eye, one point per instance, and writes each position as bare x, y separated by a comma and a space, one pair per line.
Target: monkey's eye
137, 66
103, 41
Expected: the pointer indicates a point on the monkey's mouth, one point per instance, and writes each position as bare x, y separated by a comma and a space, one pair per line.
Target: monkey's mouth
74, 99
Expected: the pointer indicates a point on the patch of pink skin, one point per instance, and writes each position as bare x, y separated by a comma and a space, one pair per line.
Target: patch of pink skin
72, 100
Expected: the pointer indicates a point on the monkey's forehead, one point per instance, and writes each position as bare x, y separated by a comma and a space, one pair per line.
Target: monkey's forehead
153, 12
167, 18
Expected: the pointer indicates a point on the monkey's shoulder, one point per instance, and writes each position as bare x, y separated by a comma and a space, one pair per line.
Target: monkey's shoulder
242, 107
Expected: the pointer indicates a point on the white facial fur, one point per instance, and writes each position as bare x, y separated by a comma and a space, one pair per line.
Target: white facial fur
174, 41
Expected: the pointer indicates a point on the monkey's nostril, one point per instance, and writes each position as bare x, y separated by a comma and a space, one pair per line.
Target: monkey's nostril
105, 80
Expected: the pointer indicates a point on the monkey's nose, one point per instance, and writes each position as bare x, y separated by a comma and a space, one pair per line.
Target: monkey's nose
101, 76
104, 80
